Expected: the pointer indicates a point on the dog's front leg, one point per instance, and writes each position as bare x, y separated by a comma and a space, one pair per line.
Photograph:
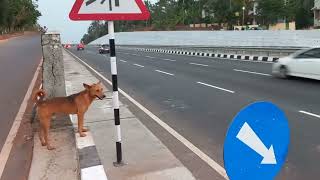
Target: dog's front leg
80, 124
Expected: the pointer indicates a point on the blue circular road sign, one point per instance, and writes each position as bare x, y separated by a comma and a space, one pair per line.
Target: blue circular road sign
256, 145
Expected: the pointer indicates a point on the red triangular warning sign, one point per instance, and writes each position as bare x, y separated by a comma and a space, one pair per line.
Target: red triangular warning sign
109, 10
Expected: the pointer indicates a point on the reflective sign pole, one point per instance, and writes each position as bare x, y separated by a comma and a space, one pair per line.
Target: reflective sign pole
115, 96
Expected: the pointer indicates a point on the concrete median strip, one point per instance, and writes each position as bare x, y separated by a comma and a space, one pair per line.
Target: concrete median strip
211, 55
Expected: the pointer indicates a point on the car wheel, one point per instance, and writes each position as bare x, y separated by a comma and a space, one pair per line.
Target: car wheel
283, 72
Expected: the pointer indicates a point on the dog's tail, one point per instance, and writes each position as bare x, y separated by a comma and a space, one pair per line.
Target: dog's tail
39, 96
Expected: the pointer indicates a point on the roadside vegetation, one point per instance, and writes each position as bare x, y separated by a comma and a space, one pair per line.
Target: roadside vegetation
181, 14
18, 15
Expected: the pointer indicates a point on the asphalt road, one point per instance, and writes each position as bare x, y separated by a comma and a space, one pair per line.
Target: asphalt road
199, 97
19, 58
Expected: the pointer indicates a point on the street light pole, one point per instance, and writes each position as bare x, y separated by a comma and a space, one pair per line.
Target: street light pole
243, 9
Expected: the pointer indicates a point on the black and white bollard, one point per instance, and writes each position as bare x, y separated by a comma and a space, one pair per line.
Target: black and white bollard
115, 96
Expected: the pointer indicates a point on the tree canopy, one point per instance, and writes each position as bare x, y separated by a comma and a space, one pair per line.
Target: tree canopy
17, 15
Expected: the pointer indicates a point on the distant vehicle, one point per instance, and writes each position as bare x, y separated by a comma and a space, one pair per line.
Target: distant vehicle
304, 63
104, 49
80, 46
67, 46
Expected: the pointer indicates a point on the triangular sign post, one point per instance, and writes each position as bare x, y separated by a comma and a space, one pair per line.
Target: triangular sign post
109, 10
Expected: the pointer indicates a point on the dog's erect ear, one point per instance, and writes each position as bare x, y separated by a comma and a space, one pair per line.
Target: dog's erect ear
86, 86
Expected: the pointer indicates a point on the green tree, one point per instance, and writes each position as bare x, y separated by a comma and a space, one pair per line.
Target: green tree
270, 11
304, 15
95, 30
3, 13
18, 14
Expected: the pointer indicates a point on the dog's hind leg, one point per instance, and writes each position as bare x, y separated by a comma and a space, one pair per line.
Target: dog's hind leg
41, 133
46, 132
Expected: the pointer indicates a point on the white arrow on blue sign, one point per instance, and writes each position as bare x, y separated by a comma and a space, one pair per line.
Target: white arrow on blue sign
256, 145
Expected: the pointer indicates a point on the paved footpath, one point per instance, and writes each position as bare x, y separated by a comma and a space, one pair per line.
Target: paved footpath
145, 156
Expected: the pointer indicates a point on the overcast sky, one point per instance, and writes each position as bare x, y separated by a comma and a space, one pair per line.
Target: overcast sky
55, 15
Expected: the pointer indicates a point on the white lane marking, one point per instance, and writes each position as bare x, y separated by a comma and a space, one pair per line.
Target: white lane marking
216, 87
124, 53
122, 60
164, 72
172, 60
310, 114
150, 57
196, 64
7, 146
213, 164
251, 72
135, 54
138, 65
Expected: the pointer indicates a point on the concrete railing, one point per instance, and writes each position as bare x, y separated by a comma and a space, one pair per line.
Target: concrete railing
300, 38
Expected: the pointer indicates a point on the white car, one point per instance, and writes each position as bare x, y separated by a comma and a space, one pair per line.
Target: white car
304, 63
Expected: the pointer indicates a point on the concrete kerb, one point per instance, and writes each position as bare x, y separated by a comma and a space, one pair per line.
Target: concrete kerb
213, 55
89, 163
149, 160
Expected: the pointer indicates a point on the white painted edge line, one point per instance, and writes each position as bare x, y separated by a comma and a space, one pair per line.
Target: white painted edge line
94, 172
7, 146
164, 72
138, 65
251, 72
310, 114
196, 64
213, 164
216, 87
122, 60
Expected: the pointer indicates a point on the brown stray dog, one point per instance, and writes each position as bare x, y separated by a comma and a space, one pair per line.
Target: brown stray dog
73, 104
